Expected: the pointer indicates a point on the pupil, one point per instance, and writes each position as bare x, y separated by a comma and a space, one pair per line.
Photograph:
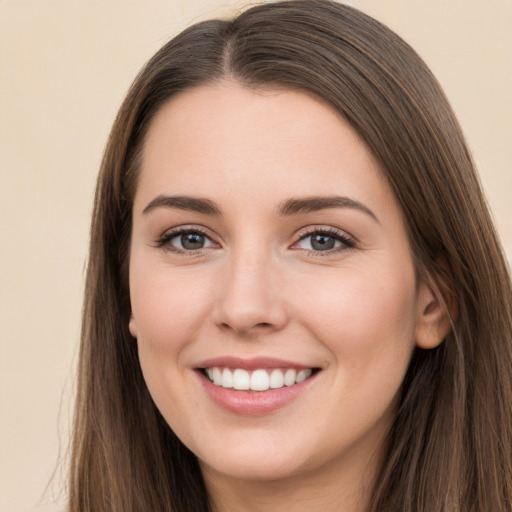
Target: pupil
322, 242
192, 241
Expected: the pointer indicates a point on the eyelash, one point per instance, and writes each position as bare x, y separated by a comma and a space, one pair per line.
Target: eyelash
164, 241
347, 242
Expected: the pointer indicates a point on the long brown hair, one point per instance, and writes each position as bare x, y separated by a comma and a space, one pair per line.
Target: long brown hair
450, 448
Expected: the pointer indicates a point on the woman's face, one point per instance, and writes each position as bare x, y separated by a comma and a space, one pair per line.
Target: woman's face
269, 255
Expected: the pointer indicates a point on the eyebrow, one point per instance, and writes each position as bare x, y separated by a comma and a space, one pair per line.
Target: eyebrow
293, 206
193, 204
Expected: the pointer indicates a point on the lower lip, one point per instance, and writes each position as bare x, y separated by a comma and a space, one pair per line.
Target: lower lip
253, 403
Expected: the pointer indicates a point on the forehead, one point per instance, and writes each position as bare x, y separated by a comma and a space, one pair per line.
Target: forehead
224, 139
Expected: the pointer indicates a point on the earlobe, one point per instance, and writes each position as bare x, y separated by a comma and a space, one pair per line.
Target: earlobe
433, 320
132, 326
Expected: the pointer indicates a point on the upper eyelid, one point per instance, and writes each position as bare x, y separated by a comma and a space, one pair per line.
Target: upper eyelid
333, 231
175, 231
309, 230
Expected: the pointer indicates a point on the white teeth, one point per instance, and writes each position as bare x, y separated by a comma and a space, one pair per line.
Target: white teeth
258, 380
227, 379
289, 377
217, 378
302, 375
241, 379
276, 379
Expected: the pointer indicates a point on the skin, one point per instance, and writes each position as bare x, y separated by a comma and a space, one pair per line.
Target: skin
257, 288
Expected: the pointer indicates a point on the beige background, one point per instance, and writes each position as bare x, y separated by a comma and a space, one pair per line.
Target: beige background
64, 68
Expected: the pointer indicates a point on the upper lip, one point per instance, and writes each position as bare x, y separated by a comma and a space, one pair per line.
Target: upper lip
254, 363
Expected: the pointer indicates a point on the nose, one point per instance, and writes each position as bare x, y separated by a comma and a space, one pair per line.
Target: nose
251, 296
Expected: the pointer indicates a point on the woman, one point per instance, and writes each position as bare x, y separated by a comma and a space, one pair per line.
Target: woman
295, 294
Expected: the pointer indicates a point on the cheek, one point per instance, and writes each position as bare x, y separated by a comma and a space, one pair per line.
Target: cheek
168, 312
166, 307
367, 324
367, 321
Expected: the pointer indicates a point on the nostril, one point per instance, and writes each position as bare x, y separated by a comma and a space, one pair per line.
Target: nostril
225, 325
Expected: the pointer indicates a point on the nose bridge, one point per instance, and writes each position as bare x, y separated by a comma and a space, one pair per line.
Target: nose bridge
251, 297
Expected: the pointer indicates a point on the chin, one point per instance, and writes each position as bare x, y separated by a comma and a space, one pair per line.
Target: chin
255, 469
261, 457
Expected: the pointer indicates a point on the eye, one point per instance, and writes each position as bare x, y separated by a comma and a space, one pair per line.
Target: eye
185, 240
324, 241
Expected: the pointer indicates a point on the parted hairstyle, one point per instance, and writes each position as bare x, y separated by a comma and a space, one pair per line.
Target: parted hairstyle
450, 446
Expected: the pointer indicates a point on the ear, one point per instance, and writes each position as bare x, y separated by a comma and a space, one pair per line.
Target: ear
132, 326
433, 320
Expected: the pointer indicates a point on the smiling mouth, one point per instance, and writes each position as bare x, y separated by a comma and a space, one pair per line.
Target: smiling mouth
256, 380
